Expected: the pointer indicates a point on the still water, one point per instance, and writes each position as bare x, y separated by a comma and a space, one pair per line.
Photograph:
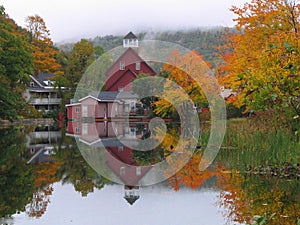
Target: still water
46, 179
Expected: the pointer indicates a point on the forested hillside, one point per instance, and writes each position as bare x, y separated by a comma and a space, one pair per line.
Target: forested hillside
204, 41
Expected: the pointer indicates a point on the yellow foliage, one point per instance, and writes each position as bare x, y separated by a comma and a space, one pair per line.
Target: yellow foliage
264, 64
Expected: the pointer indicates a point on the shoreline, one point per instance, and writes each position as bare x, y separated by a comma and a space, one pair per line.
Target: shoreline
4, 123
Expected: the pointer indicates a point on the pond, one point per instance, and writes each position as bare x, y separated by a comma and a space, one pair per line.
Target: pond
51, 175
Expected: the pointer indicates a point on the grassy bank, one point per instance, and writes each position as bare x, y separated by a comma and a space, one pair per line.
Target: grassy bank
249, 146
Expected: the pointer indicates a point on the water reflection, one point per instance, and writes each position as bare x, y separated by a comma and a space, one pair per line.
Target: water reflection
42, 169
105, 148
247, 195
16, 178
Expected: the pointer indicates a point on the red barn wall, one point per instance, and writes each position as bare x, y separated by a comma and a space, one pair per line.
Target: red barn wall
114, 74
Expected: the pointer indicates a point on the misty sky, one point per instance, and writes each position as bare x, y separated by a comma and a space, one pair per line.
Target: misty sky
74, 19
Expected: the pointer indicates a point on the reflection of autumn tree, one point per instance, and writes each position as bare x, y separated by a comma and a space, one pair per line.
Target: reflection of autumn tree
248, 195
190, 176
170, 140
45, 176
75, 170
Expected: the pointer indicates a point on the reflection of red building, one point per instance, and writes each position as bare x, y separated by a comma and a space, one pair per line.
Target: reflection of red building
118, 97
118, 138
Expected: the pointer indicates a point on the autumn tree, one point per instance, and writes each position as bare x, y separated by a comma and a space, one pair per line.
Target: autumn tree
44, 53
179, 69
262, 62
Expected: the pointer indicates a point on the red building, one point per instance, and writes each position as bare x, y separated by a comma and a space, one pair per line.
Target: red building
118, 99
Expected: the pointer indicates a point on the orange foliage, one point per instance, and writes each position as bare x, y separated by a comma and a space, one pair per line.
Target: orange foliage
44, 53
45, 176
189, 175
185, 70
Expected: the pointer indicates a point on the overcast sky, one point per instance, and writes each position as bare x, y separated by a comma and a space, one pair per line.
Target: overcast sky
74, 19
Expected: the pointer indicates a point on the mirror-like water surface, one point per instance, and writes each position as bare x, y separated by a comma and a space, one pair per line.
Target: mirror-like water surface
45, 179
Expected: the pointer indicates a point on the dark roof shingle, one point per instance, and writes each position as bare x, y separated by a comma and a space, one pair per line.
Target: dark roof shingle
130, 35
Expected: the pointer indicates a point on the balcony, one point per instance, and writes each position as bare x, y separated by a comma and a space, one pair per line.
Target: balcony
45, 101
48, 135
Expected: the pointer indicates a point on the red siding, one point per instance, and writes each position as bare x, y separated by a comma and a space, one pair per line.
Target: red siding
72, 113
74, 127
115, 75
123, 81
89, 107
117, 159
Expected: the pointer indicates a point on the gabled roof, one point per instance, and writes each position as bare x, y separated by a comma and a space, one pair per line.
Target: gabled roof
120, 77
41, 79
131, 199
130, 35
45, 76
36, 80
109, 96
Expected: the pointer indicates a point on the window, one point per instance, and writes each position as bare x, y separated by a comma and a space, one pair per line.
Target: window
138, 171
84, 111
77, 109
122, 171
132, 105
132, 132
120, 88
84, 128
122, 65
77, 130
120, 149
138, 65
31, 84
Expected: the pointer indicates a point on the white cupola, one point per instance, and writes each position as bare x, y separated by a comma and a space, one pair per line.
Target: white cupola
130, 41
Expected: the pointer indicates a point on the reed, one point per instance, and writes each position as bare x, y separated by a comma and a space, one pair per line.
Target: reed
254, 147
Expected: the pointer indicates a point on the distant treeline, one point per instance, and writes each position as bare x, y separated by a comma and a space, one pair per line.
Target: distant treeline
203, 40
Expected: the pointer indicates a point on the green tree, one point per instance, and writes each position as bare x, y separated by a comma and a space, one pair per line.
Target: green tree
138, 87
15, 65
16, 178
75, 170
80, 58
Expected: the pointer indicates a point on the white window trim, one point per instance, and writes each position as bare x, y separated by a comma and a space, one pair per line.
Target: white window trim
77, 109
138, 66
122, 65
138, 171
84, 128
122, 171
